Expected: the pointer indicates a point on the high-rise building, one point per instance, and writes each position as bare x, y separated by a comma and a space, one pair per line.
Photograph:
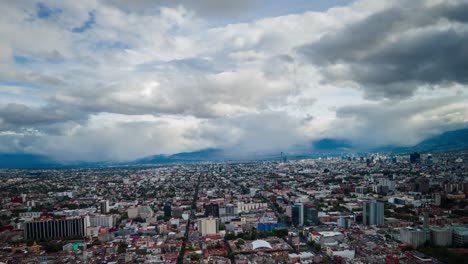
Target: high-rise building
460, 235
231, 210
208, 226
102, 220
56, 228
297, 214
167, 209
373, 213
421, 185
104, 207
310, 215
415, 237
212, 209
388, 182
441, 236
344, 222
415, 158
227, 212
361, 189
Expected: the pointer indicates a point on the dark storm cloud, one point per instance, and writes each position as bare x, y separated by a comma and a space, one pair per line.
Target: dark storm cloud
391, 52
18, 115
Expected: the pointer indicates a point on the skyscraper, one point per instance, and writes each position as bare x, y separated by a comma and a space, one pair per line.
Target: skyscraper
297, 214
421, 185
310, 215
167, 209
212, 209
415, 158
105, 207
373, 213
208, 226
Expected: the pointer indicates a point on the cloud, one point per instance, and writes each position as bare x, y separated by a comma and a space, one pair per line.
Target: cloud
206, 8
20, 115
146, 77
268, 132
111, 137
392, 52
399, 123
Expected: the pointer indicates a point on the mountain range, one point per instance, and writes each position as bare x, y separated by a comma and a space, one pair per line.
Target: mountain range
448, 141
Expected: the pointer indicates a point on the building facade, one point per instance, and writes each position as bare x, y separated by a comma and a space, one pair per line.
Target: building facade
208, 226
373, 213
56, 228
297, 214
310, 215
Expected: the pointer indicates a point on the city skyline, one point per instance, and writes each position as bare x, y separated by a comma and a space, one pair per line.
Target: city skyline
122, 80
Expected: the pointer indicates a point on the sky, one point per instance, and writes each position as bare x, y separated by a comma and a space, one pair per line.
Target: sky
117, 80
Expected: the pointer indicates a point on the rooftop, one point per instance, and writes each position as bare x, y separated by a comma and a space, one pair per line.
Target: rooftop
259, 244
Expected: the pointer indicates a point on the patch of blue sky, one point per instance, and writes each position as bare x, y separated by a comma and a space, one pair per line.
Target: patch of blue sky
25, 85
20, 95
22, 60
86, 25
278, 8
29, 100
103, 45
44, 11
268, 8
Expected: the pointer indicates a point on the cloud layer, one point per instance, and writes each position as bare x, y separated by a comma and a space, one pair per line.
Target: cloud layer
119, 80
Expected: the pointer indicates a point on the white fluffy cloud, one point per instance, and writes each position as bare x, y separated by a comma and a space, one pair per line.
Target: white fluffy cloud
114, 80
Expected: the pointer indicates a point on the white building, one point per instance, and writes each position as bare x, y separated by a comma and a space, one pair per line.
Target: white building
30, 214
208, 226
246, 207
344, 253
441, 236
327, 237
140, 211
102, 220
415, 237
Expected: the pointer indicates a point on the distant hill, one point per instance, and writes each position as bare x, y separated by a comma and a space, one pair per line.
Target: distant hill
451, 140
196, 156
447, 141
25, 161
330, 144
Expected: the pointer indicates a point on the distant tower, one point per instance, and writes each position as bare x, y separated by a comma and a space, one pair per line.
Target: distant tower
415, 158
282, 158
105, 207
373, 213
297, 214
167, 209
426, 220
